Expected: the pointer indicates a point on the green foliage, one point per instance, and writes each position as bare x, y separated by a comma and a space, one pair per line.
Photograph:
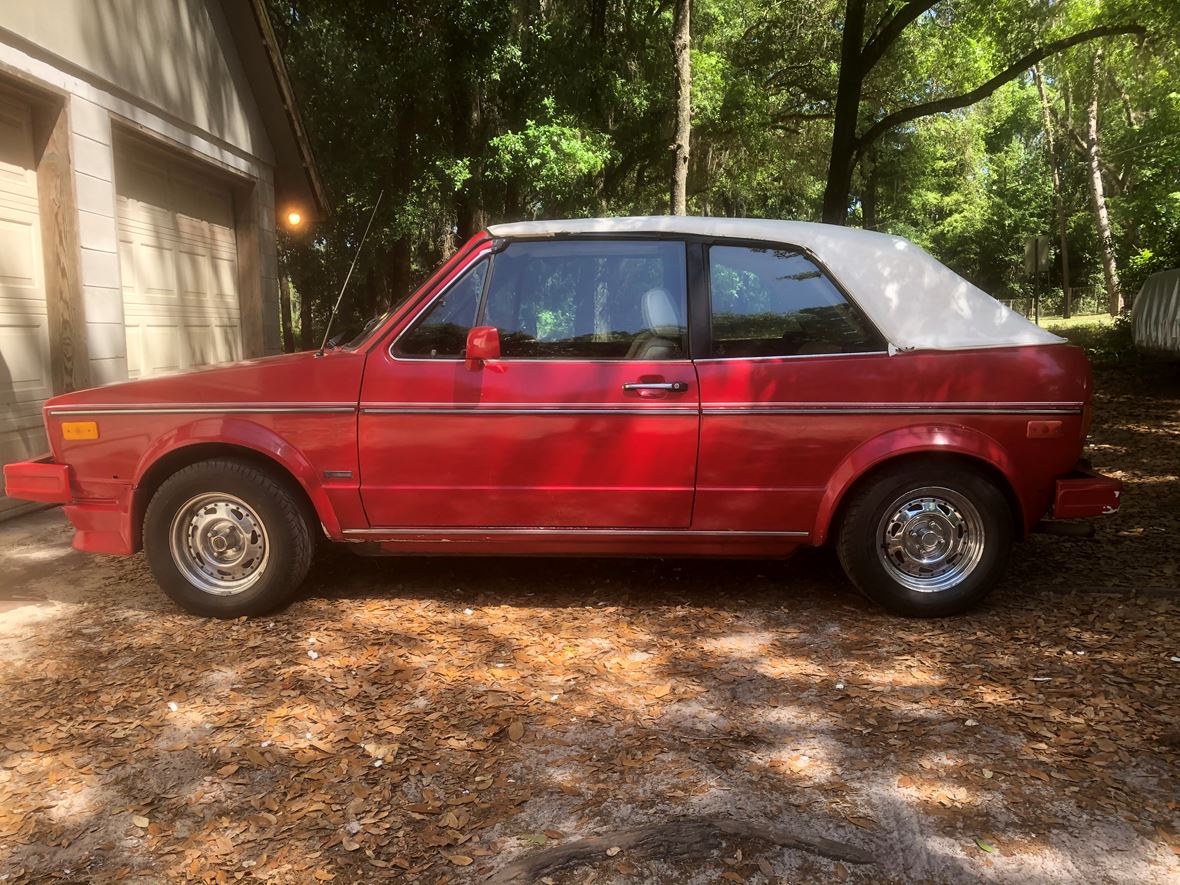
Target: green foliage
552, 159
474, 111
1105, 343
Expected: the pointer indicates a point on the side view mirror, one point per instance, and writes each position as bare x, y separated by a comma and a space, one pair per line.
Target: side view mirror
483, 344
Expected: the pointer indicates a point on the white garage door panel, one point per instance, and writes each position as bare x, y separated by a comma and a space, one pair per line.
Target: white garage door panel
178, 259
24, 324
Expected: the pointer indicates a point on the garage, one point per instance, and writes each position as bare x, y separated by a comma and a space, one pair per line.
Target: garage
178, 261
24, 334
146, 161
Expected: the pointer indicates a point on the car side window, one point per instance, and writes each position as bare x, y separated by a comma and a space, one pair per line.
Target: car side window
590, 299
441, 332
777, 302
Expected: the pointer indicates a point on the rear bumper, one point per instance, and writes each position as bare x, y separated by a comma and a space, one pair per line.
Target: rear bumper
101, 526
1084, 493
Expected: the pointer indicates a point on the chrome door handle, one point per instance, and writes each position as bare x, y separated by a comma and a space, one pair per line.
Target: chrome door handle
674, 386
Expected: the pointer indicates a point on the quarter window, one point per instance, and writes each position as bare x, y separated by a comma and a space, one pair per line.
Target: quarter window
442, 331
590, 299
777, 302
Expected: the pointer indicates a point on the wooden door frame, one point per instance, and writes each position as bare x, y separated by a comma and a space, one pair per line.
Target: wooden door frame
57, 210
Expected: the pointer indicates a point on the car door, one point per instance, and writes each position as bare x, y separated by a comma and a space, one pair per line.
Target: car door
790, 371
589, 418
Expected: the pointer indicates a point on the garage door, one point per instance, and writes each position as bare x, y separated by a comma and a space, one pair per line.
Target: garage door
178, 262
24, 337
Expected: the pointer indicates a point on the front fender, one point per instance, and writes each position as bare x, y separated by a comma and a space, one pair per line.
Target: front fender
244, 433
940, 438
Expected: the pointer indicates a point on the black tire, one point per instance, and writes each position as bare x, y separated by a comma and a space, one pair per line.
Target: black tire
276, 566
882, 576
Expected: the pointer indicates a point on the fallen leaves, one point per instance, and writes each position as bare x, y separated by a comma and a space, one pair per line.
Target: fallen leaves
420, 740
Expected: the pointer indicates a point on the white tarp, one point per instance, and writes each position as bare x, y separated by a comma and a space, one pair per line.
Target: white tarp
1155, 318
916, 302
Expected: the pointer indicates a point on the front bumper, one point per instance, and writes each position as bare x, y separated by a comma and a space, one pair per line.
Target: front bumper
100, 526
1084, 493
38, 480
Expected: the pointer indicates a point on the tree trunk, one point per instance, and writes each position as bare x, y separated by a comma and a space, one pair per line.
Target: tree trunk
398, 270
868, 197
1058, 198
1098, 195
306, 341
843, 156
469, 216
285, 319
681, 44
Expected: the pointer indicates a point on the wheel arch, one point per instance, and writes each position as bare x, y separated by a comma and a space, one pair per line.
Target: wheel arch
250, 443
949, 445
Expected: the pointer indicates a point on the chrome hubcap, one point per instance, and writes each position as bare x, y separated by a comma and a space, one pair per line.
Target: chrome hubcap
930, 539
219, 543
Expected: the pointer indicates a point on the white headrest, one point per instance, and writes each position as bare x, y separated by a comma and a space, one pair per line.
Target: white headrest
660, 313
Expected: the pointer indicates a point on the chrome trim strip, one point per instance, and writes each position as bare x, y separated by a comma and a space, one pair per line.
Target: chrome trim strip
788, 356
853, 410
634, 403
556, 531
728, 409
558, 410
202, 410
933, 404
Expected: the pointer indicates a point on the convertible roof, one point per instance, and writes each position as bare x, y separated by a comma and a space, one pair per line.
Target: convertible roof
1155, 317
916, 302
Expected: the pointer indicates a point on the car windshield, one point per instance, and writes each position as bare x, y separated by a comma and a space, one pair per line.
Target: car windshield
351, 337
366, 330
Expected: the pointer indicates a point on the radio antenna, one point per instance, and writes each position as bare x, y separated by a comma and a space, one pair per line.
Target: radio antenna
340, 297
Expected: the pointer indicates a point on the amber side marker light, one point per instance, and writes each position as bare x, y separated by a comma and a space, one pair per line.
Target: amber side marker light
79, 430
1044, 429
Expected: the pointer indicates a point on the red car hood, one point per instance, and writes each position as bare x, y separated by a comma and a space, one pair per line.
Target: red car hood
290, 379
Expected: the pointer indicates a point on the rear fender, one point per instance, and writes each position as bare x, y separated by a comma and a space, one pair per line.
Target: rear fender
243, 433
933, 438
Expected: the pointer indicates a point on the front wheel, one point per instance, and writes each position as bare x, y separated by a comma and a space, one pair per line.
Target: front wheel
225, 539
926, 539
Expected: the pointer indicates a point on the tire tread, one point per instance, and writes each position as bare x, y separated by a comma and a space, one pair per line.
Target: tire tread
293, 523
858, 555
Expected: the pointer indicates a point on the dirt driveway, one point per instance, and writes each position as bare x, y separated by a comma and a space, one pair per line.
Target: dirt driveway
433, 720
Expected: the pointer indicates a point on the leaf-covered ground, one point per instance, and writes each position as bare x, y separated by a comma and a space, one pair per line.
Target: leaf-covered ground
432, 720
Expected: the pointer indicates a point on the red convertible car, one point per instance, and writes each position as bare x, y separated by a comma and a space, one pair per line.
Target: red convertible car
629, 386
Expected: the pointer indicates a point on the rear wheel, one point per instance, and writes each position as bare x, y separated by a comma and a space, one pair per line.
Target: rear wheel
926, 539
225, 538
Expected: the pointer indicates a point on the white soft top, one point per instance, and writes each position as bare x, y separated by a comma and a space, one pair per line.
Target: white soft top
916, 302
1155, 318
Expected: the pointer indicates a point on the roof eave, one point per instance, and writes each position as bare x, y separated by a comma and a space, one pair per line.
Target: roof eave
252, 31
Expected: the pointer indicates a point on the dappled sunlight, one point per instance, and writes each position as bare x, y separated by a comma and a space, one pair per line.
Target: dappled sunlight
405, 712
44, 554
747, 645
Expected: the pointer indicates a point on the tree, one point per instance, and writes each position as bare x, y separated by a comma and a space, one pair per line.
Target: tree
858, 57
1058, 197
1098, 193
682, 51
471, 112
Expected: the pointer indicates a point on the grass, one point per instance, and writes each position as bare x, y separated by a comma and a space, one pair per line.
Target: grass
1087, 321
1106, 339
